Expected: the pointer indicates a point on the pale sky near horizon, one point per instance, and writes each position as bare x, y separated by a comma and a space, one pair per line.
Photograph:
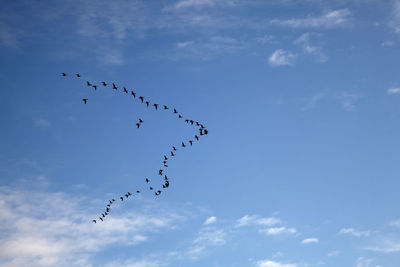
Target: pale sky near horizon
300, 167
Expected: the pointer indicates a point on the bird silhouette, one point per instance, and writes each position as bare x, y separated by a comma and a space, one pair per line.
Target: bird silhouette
174, 148
147, 103
137, 191
165, 162
94, 221
165, 107
129, 194
100, 218
133, 93
115, 87
147, 180
160, 172
155, 105
126, 195
165, 157
165, 165
205, 131
180, 116
110, 201
141, 98
151, 188
103, 215
165, 178
84, 100
125, 90
107, 209
175, 111
78, 75
197, 123
108, 205
95, 87
88, 84
191, 122
172, 154
183, 144
113, 200
138, 125
64, 74
187, 121
197, 138
191, 142
104, 83
140, 120
122, 199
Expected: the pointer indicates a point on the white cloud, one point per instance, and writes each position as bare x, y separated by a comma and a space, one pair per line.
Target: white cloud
348, 100
395, 223
281, 58
354, 232
393, 91
334, 253
210, 220
305, 42
269, 263
311, 102
310, 240
256, 220
387, 43
184, 44
193, 3
362, 262
394, 21
279, 231
385, 245
43, 123
208, 236
55, 229
330, 19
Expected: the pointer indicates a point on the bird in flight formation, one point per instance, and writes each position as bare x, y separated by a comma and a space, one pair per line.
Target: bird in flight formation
165, 181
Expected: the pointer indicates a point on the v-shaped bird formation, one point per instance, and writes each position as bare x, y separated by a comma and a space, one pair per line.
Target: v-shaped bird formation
172, 153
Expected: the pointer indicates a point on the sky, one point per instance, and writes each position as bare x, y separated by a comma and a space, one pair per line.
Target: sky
300, 167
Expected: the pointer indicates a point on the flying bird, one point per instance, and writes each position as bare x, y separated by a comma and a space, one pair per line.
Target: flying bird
95, 87
205, 131
78, 75
183, 144
175, 111
147, 180
180, 116
126, 195
191, 142
125, 91
64, 74
165, 157
165, 165
129, 194
115, 87
165, 107
137, 191
174, 148
151, 188
160, 172
94, 221
197, 123
172, 154
100, 218
104, 83
122, 199
155, 105
191, 121
138, 125
187, 121
197, 138
133, 93
141, 98
88, 84
140, 120
147, 103
107, 209
84, 100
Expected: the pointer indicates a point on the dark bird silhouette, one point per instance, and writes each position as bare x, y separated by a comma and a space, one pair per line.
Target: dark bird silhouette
165, 165
103, 215
175, 111
100, 218
201, 132
95, 87
155, 105
197, 123
147, 103
78, 75
165, 178
113, 200
172, 154
197, 138
147, 180
126, 195
108, 205
164, 186
133, 93
160, 172
205, 131
165, 107
201, 125
140, 120
165, 157
110, 201
174, 148
183, 144
94, 221
138, 125
104, 83
122, 198
88, 84
191, 142
165, 162
125, 90
84, 100
180, 117
64, 74
151, 188
107, 209
129, 194
141, 98
137, 191
191, 122
187, 121
115, 87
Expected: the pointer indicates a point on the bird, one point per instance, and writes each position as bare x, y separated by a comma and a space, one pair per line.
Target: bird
115, 87
125, 91
180, 116
110, 201
164, 186
183, 144
160, 172
100, 218
95, 87
137, 191
78, 75
155, 105
165, 157
205, 131
107, 209
174, 148
129, 194
151, 188
191, 142
64, 74
104, 83
165, 162
94, 221
140, 120
197, 138
147, 180
172, 154
122, 199
84, 100
126, 195
165, 165
147, 103
201, 125
141, 98
175, 111
103, 215
187, 121
88, 84
138, 125
191, 121
165, 107
113, 200
133, 93
165, 178
108, 205
197, 123
201, 132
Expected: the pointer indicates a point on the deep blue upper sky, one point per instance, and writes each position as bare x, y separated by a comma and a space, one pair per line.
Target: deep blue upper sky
301, 165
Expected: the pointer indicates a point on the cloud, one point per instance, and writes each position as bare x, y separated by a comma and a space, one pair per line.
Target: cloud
334, 253
210, 220
362, 262
279, 231
256, 220
304, 41
311, 102
387, 43
42, 123
269, 263
310, 240
193, 3
54, 229
385, 245
348, 100
395, 223
281, 58
208, 236
330, 19
354, 232
394, 20
393, 91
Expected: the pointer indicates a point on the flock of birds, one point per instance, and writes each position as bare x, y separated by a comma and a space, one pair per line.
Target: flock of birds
172, 153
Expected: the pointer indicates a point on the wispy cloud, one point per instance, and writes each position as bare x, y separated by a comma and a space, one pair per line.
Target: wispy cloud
312, 101
310, 240
281, 58
270, 263
387, 43
256, 220
393, 91
363, 262
330, 19
308, 48
349, 100
394, 20
279, 231
354, 232
207, 237
42, 123
210, 220
395, 223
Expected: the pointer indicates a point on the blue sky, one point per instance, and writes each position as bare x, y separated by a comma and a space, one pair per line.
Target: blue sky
300, 168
